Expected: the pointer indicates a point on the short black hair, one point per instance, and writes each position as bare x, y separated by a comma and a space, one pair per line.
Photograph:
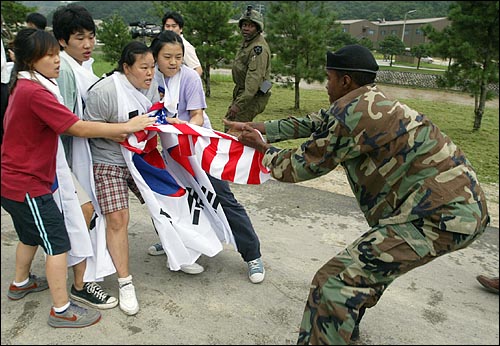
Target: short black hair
70, 19
360, 78
177, 17
37, 19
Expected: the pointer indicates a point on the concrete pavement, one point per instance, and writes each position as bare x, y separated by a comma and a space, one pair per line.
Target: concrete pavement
300, 229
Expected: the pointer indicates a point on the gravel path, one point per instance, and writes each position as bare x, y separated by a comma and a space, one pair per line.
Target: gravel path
412, 93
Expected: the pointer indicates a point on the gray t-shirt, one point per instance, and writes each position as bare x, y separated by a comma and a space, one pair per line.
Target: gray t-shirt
102, 105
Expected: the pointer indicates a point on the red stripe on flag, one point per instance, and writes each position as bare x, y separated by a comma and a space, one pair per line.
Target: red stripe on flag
186, 129
151, 144
182, 160
235, 152
255, 169
184, 145
156, 106
154, 159
209, 154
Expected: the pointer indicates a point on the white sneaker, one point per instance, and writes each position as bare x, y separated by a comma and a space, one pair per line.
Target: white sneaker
192, 269
128, 300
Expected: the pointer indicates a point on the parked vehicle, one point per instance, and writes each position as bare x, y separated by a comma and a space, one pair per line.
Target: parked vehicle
426, 59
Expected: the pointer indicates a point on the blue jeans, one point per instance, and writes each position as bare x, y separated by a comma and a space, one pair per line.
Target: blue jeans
246, 239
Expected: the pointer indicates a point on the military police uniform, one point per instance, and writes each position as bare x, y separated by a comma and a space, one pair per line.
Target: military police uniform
251, 73
418, 192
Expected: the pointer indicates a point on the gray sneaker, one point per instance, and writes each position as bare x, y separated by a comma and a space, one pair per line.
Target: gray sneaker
35, 284
156, 250
256, 271
74, 317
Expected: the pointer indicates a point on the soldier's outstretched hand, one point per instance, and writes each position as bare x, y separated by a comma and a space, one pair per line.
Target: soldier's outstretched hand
233, 127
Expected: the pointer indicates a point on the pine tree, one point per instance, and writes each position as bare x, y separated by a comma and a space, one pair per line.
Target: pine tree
299, 34
115, 34
472, 42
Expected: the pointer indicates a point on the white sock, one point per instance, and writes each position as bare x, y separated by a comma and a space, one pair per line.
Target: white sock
21, 283
123, 281
62, 308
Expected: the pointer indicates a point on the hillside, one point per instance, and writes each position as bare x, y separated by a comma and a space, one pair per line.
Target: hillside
371, 10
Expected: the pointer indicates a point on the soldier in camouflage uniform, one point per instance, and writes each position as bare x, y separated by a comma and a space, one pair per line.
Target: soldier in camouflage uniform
417, 190
251, 70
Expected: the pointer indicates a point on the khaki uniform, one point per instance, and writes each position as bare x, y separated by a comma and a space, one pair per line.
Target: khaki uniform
251, 67
417, 190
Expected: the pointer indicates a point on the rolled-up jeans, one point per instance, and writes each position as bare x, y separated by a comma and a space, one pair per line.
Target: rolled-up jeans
246, 239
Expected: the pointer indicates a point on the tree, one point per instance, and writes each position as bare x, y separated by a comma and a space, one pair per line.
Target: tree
391, 46
473, 38
366, 42
14, 14
208, 29
114, 34
420, 51
441, 43
299, 34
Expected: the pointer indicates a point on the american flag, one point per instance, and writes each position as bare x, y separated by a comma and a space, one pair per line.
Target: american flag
219, 154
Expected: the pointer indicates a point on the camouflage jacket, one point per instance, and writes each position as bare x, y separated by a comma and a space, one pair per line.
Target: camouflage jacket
400, 166
251, 66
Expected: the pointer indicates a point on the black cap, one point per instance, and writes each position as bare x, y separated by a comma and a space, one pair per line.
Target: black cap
352, 58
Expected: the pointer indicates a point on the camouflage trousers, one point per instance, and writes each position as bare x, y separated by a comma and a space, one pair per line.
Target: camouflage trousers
358, 276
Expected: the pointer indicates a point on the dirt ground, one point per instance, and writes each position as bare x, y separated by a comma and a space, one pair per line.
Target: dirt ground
433, 95
411, 93
336, 182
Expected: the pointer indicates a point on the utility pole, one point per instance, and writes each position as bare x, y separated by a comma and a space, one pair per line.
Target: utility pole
404, 24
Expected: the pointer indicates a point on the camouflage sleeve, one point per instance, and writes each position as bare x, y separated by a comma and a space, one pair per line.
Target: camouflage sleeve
329, 144
256, 74
292, 127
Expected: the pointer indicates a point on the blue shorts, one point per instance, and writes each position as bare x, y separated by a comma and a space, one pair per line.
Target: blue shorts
38, 221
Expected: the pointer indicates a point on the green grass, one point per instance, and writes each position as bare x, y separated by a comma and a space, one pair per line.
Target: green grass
101, 67
481, 147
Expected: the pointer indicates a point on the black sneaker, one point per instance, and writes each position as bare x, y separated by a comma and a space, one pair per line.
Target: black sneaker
355, 333
92, 294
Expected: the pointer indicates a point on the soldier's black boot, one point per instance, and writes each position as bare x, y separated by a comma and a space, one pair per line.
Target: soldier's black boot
355, 331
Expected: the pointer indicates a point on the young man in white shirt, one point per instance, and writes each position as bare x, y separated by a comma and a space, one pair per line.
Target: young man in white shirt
173, 21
